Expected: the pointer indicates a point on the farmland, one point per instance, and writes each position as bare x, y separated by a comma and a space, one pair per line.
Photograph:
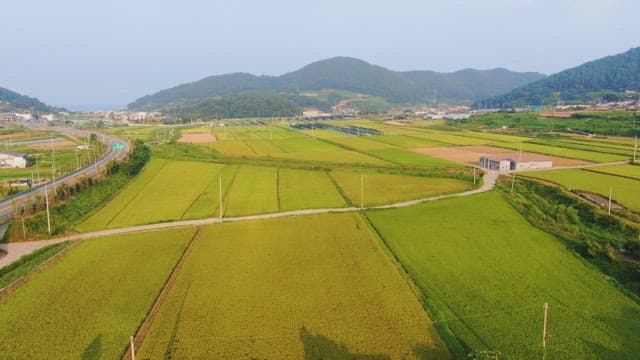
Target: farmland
272, 282
488, 273
380, 189
90, 302
624, 190
304, 291
166, 190
173, 190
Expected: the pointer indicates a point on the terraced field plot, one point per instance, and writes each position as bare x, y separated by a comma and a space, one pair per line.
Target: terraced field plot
585, 155
488, 273
254, 191
382, 189
625, 191
233, 148
309, 287
88, 304
304, 189
165, 190
632, 171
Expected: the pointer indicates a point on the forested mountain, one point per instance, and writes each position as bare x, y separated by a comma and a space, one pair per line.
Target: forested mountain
10, 101
241, 105
352, 75
606, 79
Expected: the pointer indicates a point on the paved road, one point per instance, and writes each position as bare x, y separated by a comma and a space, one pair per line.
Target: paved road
16, 250
7, 205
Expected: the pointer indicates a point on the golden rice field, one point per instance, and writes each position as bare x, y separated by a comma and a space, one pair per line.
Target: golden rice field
291, 288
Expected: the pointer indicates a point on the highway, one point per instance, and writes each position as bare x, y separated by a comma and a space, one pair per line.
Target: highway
7, 205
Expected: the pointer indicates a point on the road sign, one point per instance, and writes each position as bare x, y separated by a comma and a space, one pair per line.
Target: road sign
117, 146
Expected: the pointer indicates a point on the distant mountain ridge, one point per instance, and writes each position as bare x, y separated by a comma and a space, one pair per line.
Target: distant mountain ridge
604, 79
353, 75
12, 101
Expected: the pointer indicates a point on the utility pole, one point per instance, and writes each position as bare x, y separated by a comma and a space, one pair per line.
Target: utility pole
133, 349
53, 169
361, 192
220, 197
46, 201
513, 181
635, 150
474, 175
77, 160
37, 169
610, 194
544, 329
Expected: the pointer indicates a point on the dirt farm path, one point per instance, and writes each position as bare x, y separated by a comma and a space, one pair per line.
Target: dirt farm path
19, 249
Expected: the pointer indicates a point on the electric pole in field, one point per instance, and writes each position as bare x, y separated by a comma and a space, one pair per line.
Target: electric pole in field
544, 329
133, 349
46, 201
220, 197
474, 175
361, 192
53, 169
610, 195
513, 181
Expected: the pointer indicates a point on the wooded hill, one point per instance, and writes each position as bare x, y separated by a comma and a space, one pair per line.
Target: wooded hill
608, 79
12, 101
350, 75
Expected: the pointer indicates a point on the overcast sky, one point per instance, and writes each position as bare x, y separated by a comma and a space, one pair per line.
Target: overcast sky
106, 53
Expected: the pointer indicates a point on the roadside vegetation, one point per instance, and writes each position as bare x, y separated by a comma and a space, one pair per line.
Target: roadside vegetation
71, 204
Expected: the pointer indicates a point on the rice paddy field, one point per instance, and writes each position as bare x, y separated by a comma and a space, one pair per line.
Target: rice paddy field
86, 305
169, 190
631, 171
624, 190
381, 189
291, 288
488, 274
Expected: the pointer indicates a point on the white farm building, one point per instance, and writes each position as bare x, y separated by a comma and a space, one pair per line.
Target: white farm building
10, 159
511, 164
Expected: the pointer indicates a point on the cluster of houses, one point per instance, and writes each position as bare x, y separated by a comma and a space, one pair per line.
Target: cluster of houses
125, 116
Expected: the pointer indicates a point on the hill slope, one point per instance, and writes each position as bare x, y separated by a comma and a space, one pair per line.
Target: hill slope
10, 101
603, 79
352, 75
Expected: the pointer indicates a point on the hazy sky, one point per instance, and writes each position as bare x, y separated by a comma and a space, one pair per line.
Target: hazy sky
106, 53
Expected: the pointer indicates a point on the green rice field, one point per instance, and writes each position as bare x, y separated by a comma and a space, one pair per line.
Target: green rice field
488, 274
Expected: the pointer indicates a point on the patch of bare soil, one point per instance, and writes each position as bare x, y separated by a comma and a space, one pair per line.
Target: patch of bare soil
472, 154
197, 138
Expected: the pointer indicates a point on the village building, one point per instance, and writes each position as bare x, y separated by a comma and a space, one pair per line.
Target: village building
10, 159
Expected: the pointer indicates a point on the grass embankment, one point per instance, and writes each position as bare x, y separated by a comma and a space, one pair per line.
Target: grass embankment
604, 240
488, 272
301, 287
90, 302
76, 202
624, 190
